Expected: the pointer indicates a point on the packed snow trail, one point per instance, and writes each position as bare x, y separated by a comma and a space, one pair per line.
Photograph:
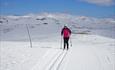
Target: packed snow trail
89, 56
57, 63
78, 58
88, 52
86, 58
82, 58
51, 61
84, 54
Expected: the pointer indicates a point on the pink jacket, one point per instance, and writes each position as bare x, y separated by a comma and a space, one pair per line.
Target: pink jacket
66, 32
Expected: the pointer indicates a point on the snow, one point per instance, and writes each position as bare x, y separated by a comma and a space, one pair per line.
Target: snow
92, 44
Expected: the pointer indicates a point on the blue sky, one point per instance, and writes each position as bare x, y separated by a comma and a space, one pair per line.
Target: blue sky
93, 8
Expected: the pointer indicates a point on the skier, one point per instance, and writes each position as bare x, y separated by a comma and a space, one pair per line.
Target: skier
66, 32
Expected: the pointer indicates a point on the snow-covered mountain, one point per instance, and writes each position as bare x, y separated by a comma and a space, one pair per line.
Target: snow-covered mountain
54, 22
92, 44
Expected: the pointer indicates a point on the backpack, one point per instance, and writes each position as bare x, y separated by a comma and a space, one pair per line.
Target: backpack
66, 32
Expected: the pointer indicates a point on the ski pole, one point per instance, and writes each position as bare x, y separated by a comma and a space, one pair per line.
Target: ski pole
61, 43
70, 42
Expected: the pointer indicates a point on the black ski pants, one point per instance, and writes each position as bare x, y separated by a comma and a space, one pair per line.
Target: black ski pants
66, 39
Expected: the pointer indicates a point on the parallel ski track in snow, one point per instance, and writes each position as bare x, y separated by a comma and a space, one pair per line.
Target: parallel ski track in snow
54, 61
57, 62
61, 61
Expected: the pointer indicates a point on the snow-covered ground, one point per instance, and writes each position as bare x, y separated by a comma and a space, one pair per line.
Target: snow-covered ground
92, 44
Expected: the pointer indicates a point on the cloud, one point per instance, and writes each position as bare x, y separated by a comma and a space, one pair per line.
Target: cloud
101, 2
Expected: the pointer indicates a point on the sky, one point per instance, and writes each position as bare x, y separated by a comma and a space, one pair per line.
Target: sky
93, 8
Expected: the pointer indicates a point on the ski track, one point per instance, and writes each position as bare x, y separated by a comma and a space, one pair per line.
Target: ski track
57, 63
61, 61
53, 61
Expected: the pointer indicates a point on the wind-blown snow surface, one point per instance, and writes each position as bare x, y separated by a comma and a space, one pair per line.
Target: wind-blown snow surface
92, 41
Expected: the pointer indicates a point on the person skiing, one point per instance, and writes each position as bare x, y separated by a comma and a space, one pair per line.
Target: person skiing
66, 32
